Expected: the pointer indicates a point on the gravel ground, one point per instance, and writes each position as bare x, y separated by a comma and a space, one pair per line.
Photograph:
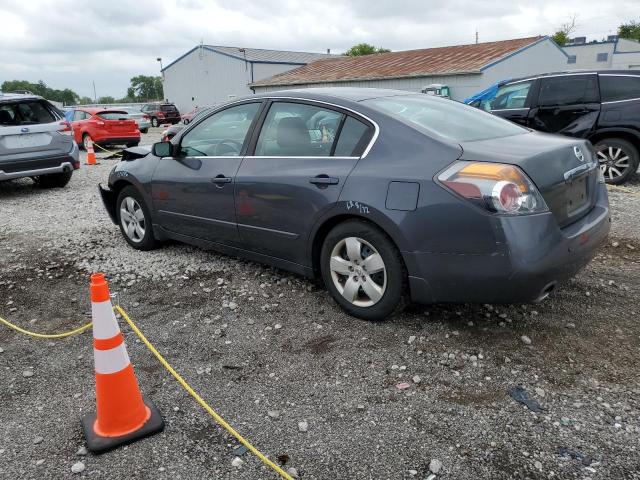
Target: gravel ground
269, 350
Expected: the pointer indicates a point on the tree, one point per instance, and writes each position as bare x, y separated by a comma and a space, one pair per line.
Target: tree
106, 99
145, 88
66, 96
561, 37
630, 30
364, 49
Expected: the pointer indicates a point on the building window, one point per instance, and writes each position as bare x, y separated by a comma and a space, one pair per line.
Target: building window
602, 57
571, 59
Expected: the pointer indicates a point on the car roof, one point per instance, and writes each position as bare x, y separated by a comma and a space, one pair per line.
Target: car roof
94, 110
12, 97
572, 72
355, 94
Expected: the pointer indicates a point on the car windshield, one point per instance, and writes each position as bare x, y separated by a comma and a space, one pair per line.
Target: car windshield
114, 115
445, 118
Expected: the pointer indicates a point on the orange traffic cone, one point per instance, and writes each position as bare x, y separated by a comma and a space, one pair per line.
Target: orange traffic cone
123, 415
91, 155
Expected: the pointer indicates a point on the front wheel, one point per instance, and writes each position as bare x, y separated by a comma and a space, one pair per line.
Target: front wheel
363, 270
134, 219
618, 159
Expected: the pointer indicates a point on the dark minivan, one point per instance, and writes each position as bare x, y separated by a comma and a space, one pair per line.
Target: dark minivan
600, 106
160, 113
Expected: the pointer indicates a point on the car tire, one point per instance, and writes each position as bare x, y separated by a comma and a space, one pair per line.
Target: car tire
132, 144
85, 139
137, 226
361, 294
618, 159
54, 180
154, 122
144, 130
186, 121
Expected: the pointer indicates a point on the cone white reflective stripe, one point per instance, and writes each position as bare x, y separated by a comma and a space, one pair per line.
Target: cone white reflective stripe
112, 360
105, 324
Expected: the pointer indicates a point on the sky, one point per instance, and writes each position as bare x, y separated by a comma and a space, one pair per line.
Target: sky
72, 43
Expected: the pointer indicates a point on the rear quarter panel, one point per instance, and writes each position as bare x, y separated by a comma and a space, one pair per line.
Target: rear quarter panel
440, 221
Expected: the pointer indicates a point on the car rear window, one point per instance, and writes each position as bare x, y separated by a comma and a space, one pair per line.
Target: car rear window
112, 115
444, 118
614, 88
168, 108
25, 113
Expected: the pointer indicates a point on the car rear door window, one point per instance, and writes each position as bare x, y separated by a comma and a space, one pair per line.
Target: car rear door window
353, 139
614, 88
510, 96
568, 90
298, 130
221, 134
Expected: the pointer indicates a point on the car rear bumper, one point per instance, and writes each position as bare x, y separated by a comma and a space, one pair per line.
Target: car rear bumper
117, 140
534, 255
34, 167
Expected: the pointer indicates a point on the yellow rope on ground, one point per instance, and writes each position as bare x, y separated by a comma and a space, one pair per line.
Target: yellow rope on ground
199, 399
175, 374
46, 335
108, 151
623, 189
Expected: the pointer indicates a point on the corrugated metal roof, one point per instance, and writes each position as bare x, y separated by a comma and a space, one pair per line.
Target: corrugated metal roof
259, 55
458, 59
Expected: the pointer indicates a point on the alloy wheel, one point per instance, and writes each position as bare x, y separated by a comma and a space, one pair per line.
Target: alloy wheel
86, 141
132, 219
358, 271
614, 161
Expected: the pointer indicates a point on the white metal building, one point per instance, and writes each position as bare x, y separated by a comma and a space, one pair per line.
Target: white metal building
209, 74
466, 69
614, 53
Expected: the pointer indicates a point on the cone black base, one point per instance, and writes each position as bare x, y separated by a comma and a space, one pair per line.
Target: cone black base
98, 444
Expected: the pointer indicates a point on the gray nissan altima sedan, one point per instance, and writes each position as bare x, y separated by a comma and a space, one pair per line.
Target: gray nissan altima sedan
383, 194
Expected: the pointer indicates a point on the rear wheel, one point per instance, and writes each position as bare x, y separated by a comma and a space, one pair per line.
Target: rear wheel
618, 159
154, 122
54, 180
363, 270
86, 140
134, 219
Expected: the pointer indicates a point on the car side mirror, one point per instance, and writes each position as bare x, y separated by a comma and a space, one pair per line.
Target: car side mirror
162, 149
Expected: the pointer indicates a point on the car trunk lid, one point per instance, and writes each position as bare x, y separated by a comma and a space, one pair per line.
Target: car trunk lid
563, 169
33, 141
118, 122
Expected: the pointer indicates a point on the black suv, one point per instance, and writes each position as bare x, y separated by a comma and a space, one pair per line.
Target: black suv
160, 113
601, 106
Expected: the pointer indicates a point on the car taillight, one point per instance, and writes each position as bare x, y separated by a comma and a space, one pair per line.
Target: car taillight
66, 128
146, 117
495, 187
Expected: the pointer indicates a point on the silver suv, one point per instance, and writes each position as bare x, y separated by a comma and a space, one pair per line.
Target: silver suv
35, 141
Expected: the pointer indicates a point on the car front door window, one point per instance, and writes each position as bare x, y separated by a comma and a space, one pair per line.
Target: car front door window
223, 134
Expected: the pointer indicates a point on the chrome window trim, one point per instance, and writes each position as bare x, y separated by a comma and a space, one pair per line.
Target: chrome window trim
509, 109
321, 102
618, 101
618, 75
324, 157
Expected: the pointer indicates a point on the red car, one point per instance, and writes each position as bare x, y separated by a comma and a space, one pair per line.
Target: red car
104, 127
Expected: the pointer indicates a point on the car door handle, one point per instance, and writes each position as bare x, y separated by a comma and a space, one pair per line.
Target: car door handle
221, 179
324, 180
